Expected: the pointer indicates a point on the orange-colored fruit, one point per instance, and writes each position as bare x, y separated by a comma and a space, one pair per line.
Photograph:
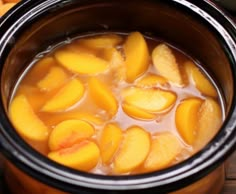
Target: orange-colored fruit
210, 118
82, 63
151, 80
5, 8
150, 99
103, 96
102, 41
164, 149
83, 156
38, 71
55, 78
133, 151
201, 82
165, 63
67, 96
109, 142
85, 116
26, 121
137, 113
137, 56
186, 118
69, 132
117, 63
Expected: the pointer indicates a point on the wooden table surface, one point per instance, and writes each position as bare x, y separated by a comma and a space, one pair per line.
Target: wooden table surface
230, 184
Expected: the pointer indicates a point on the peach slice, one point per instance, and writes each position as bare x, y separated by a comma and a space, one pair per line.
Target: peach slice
85, 116
137, 113
186, 118
117, 63
109, 142
37, 72
164, 149
151, 80
54, 79
11, 1
210, 119
67, 96
6, 7
68, 133
166, 64
82, 63
133, 151
201, 82
103, 96
26, 121
83, 156
150, 99
137, 56
102, 41
78, 49
34, 96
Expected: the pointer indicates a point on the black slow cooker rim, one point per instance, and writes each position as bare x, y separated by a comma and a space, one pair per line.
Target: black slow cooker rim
34, 164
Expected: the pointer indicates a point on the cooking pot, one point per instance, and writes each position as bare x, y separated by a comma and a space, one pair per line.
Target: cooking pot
198, 28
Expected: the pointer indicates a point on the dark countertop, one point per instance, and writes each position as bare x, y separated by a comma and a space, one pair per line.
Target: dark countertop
230, 184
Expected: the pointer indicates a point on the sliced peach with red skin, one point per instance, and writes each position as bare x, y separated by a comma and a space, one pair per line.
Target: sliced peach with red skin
151, 80
82, 156
67, 96
164, 149
186, 118
102, 41
137, 113
201, 81
68, 133
109, 141
210, 119
55, 78
133, 150
82, 63
166, 64
136, 56
103, 96
153, 100
26, 122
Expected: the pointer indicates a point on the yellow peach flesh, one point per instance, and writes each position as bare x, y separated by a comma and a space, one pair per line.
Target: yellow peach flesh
164, 149
137, 56
68, 133
26, 121
82, 63
151, 80
201, 82
88, 117
71, 93
103, 96
150, 99
186, 118
137, 113
165, 63
117, 63
109, 142
102, 41
83, 156
54, 79
210, 119
133, 151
